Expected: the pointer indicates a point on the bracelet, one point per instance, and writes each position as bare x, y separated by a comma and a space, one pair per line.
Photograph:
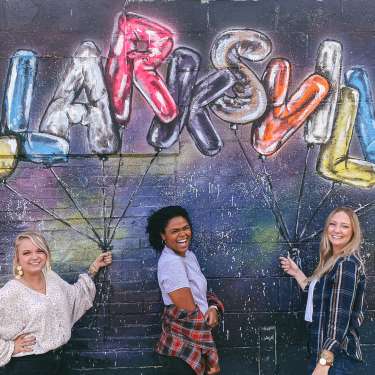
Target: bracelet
92, 270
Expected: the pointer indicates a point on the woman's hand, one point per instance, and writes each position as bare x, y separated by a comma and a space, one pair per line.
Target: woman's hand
213, 370
212, 317
24, 343
103, 260
321, 370
289, 266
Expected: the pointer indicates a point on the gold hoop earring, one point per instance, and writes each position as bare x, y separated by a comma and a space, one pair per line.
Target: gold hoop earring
19, 272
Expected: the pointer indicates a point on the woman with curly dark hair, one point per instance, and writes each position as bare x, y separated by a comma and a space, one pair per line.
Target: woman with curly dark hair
186, 345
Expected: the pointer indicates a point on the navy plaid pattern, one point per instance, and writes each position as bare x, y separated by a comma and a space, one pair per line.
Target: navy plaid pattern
337, 312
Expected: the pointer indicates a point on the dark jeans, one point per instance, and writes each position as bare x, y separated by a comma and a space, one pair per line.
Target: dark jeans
175, 366
342, 365
39, 364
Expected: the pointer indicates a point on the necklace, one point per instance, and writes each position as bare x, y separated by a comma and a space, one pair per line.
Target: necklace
40, 289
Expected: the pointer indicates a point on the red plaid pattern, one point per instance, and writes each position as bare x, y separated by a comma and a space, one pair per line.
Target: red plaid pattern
186, 335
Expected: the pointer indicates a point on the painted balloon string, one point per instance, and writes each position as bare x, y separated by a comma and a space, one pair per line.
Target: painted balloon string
300, 195
75, 204
317, 208
104, 201
275, 202
50, 213
118, 168
130, 201
104, 285
266, 197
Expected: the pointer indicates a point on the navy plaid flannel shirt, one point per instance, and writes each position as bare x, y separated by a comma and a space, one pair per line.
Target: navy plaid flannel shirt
337, 312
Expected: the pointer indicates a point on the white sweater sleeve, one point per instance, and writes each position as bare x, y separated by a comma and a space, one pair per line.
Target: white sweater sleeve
10, 327
6, 351
80, 295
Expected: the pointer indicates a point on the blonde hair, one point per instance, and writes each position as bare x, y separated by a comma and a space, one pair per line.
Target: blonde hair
39, 241
327, 258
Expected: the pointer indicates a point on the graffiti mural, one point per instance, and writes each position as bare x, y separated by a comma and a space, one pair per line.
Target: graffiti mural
258, 146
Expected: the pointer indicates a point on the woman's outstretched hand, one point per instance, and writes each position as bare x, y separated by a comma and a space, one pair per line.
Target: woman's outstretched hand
289, 266
103, 260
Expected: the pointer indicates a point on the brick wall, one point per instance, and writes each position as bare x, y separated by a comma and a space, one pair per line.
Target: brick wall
236, 238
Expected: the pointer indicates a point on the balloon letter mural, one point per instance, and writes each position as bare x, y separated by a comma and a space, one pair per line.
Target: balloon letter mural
228, 51
365, 120
182, 74
284, 116
328, 65
138, 48
334, 162
36, 147
84, 72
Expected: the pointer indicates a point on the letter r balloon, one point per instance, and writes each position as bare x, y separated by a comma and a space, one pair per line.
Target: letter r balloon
138, 48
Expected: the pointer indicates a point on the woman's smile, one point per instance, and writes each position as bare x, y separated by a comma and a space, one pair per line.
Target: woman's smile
177, 235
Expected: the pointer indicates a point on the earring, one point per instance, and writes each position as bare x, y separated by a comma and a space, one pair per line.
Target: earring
19, 272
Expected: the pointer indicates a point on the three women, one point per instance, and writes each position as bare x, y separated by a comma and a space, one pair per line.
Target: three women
38, 308
335, 296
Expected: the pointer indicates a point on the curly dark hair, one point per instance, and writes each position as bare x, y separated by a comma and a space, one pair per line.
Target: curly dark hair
158, 220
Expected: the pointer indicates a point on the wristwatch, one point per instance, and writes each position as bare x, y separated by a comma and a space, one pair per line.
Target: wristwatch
326, 358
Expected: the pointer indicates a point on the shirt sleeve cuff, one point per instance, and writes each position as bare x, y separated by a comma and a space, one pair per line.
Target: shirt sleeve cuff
8, 352
331, 345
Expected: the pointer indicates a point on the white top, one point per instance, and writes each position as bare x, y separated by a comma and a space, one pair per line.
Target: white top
176, 272
309, 305
49, 317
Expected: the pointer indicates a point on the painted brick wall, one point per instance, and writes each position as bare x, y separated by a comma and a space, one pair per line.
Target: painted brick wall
236, 237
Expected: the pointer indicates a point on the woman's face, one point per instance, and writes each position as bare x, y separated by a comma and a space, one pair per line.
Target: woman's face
30, 257
177, 235
340, 231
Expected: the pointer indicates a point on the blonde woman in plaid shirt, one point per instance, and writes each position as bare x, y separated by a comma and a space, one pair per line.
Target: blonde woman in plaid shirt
335, 296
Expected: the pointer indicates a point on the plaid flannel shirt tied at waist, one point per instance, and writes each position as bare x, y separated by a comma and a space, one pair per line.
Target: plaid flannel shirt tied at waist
187, 336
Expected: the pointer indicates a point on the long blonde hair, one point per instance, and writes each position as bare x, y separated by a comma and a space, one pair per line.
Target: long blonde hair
38, 240
327, 258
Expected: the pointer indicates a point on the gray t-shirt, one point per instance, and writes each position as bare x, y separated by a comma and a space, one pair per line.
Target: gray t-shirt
176, 272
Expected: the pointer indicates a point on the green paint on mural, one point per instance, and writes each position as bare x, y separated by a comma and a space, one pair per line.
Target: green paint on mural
266, 236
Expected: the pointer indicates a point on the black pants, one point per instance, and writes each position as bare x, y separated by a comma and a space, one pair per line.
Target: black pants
37, 364
175, 366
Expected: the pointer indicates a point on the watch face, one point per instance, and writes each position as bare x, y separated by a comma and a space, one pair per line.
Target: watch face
323, 361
